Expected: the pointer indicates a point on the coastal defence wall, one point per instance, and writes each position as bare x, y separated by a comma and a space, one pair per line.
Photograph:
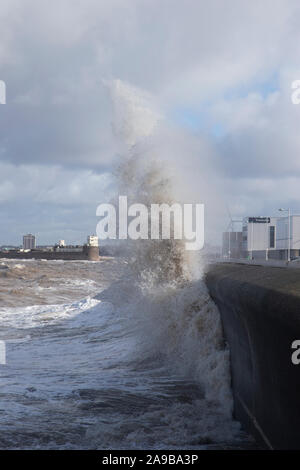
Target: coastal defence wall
89, 253
260, 311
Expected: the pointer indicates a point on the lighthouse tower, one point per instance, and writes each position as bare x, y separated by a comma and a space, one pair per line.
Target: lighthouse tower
93, 248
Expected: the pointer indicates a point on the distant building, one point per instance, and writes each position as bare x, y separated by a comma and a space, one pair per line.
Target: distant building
259, 236
268, 237
92, 240
28, 242
61, 243
282, 236
232, 244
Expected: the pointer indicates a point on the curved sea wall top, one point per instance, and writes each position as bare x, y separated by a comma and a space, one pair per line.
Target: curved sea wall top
260, 310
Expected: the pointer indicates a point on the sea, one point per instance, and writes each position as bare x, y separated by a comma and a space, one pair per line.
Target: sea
100, 357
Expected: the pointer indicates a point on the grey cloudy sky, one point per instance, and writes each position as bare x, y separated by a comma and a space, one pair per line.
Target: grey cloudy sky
219, 71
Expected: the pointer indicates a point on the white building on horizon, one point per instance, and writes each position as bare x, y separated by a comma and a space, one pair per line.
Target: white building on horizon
259, 234
268, 237
283, 231
29, 242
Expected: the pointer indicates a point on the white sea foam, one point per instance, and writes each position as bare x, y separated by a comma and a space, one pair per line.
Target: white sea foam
35, 315
19, 266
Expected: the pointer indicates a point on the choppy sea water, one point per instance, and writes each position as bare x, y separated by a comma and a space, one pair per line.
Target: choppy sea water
95, 362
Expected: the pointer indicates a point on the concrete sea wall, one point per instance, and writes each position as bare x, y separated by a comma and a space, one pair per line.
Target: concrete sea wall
89, 253
260, 310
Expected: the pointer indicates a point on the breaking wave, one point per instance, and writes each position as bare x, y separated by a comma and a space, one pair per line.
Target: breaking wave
142, 364
163, 295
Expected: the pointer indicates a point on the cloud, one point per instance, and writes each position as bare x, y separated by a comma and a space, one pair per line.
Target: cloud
51, 201
52, 185
229, 65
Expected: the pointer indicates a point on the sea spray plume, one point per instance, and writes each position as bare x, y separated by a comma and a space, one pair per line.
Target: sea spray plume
171, 310
141, 176
155, 261
135, 115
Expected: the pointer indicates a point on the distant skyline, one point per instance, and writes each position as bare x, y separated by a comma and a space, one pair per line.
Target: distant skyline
219, 72
51, 242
